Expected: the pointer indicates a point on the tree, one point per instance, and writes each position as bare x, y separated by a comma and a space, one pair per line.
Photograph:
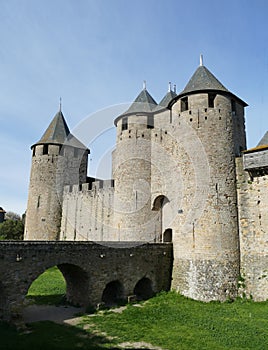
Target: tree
12, 216
11, 230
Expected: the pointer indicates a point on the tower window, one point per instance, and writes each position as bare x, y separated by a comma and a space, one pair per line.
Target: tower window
184, 104
211, 98
150, 121
76, 152
33, 151
233, 104
38, 201
124, 123
45, 149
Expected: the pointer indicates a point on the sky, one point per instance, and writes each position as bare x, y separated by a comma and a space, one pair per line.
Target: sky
95, 55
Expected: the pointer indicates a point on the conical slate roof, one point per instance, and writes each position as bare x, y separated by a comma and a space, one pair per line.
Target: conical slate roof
143, 103
59, 133
57, 130
203, 79
264, 140
167, 98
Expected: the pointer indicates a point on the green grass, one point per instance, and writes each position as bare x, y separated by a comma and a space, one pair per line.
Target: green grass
168, 320
174, 322
48, 288
49, 336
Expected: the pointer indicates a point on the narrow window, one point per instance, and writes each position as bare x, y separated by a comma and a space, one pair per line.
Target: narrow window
150, 121
233, 107
45, 149
184, 104
38, 202
124, 123
33, 151
76, 152
211, 98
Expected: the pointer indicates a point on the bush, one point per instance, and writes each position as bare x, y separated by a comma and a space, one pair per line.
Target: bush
11, 230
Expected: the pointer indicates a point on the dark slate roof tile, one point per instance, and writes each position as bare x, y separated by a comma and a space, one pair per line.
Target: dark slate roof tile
59, 133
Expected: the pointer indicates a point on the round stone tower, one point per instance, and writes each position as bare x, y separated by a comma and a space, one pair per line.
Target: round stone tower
132, 171
58, 159
208, 124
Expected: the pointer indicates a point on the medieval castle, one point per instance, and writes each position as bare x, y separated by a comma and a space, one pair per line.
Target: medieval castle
181, 173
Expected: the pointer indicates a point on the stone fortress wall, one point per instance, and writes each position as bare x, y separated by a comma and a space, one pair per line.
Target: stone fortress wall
177, 176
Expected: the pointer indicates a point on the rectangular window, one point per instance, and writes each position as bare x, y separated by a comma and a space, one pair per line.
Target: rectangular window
124, 123
184, 104
45, 149
233, 107
76, 152
150, 121
211, 98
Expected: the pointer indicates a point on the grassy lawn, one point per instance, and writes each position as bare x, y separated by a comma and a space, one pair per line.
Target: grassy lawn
48, 288
167, 320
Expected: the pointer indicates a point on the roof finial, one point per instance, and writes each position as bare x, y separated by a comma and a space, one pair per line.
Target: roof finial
175, 88
169, 86
60, 104
201, 60
144, 84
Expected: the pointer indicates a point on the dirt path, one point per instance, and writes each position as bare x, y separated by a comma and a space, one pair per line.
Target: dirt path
69, 315
57, 314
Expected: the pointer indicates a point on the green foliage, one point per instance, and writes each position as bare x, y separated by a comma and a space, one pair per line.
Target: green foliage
11, 230
10, 215
48, 288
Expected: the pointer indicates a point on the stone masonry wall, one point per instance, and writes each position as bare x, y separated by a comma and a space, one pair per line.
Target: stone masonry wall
87, 212
253, 224
87, 268
49, 174
206, 243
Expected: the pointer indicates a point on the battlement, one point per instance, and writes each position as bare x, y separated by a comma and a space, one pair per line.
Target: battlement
91, 186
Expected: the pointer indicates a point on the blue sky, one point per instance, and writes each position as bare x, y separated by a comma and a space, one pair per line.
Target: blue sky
96, 54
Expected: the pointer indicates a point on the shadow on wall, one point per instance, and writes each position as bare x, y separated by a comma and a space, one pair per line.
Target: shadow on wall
114, 293
143, 289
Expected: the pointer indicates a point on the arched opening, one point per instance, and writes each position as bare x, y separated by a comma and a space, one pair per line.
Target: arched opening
113, 293
167, 236
77, 284
143, 289
159, 204
48, 288
59, 284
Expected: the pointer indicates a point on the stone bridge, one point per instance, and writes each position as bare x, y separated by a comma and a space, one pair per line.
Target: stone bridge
94, 272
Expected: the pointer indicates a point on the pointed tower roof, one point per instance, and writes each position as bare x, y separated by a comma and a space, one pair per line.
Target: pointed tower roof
143, 103
166, 99
204, 81
57, 130
261, 146
264, 140
58, 133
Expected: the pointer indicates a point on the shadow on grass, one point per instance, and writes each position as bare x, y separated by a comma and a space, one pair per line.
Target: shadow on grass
55, 299
48, 335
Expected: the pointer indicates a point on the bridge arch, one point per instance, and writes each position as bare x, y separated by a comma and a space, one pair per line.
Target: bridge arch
77, 282
113, 293
144, 289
